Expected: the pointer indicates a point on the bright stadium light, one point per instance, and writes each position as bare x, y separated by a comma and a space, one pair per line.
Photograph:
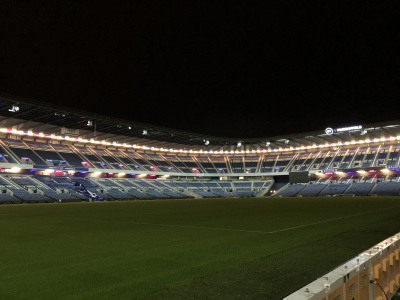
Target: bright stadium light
14, 108
267, 143
239, 144
144, 132
206, 142
329, 131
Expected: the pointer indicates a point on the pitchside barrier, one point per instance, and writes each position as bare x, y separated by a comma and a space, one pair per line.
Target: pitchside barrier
372, 275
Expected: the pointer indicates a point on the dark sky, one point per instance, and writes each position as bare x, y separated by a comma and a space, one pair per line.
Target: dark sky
223, 68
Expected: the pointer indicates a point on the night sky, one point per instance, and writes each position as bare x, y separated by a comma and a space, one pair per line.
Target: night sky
222, 68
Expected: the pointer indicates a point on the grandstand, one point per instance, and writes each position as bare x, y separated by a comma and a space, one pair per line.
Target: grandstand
77, 155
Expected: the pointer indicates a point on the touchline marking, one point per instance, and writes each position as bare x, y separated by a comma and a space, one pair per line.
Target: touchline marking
310, 224
237, 230
330, 220
231, 229
174, 225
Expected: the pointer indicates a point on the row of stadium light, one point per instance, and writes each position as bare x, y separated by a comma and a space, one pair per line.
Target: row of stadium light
358, 171
98, 142
95, 174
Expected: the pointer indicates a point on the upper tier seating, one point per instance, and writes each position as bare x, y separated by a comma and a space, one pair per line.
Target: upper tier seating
24, 151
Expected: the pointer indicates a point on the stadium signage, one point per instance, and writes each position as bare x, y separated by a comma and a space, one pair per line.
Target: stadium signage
60, 168
329, 170
330, 130
69, 131
393, 167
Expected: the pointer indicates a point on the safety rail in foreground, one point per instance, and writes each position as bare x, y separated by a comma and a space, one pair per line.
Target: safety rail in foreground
372, 275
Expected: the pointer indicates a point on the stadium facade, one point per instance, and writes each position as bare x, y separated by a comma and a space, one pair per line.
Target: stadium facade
47, 146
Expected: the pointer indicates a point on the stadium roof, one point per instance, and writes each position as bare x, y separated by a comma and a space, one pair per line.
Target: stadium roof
36, 116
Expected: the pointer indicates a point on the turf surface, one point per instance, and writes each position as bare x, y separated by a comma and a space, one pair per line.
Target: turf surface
247, 248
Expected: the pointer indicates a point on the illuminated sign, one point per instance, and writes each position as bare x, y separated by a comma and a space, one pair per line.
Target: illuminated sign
60, 168
329, 170
393, 166
330, 130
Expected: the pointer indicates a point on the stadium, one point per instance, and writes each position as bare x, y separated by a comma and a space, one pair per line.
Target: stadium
96, 207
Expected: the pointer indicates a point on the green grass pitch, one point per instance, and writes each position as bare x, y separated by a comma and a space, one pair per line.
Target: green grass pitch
242, 248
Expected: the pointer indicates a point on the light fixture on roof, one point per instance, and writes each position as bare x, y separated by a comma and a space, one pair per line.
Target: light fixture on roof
286, 141
329, 131
363, 132
206, 142
89, 123
267, 143
14, 108
239, 144
144, 132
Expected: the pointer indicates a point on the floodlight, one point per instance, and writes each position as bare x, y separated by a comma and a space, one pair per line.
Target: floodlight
89, 123
329, 131
14, 108
206, 142
239, 144
267, 143
363, 132
286, 141
144, 132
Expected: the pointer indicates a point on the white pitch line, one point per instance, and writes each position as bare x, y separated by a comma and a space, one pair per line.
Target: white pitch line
311, 224
330, 220
237, 230
224, 229
175, 225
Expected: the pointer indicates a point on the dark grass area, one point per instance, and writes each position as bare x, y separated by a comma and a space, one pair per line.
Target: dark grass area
184, 249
